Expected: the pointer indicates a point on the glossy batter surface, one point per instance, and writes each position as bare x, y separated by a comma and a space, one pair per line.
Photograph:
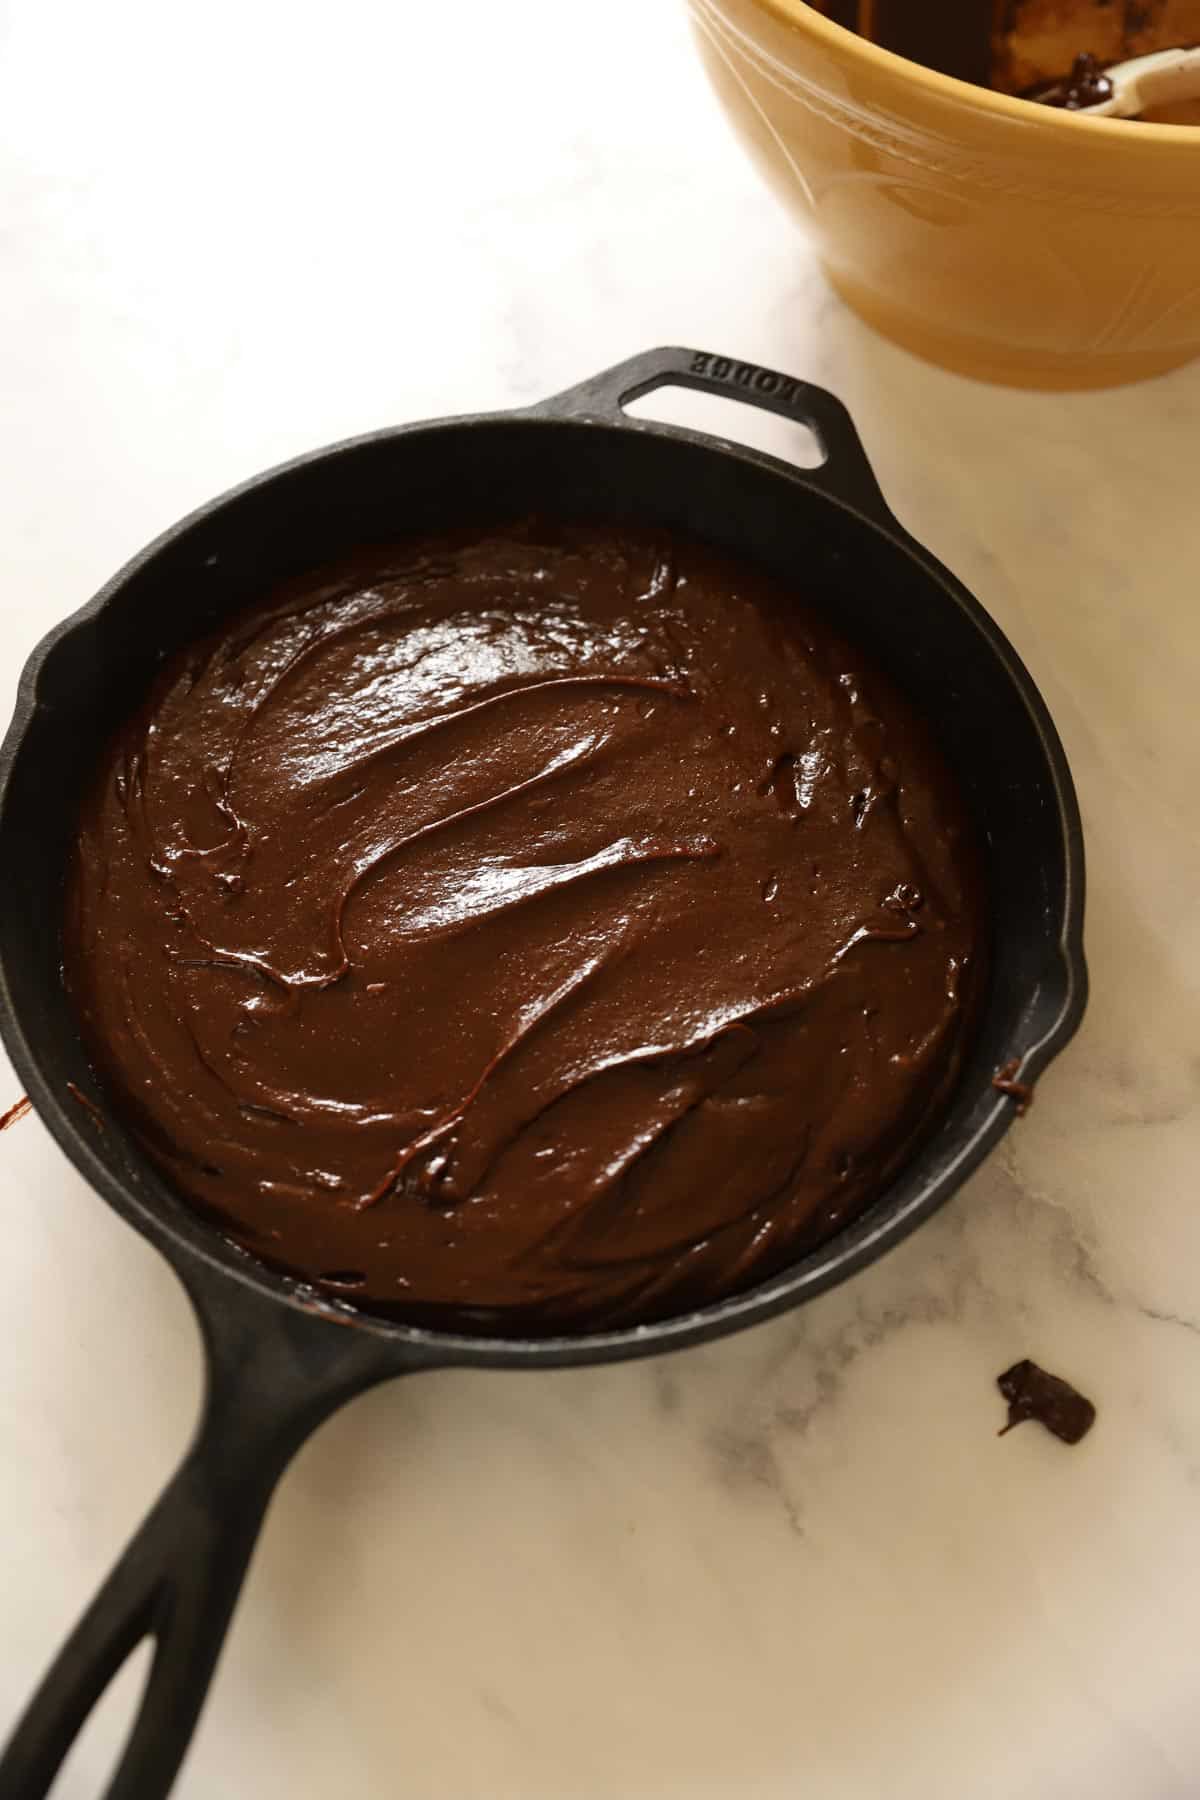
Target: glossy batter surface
554, 929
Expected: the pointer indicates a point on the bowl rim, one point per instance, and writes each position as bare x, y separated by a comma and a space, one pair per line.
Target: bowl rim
800, 16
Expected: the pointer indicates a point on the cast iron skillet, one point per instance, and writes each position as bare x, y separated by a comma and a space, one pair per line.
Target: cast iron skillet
280, 1360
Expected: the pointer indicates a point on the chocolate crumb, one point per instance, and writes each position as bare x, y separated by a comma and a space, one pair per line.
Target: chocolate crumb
1033, 1394
16, 1112
1020, 1091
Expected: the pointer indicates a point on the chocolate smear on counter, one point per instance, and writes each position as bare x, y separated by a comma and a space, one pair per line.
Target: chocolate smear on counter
1033, 1394
1020, 1091
16, 1112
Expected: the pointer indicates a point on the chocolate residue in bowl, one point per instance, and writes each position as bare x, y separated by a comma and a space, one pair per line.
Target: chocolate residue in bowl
1032, 1393
556, 925
1086, 85
1037, 41
1051, 51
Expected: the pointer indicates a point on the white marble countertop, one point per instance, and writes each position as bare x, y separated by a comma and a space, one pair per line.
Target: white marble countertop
798, 1562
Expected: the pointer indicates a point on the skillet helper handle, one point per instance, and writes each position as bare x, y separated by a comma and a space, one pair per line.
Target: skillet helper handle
271, 1382
846, 473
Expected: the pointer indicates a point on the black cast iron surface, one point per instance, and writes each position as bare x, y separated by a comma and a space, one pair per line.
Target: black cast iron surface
279, 1360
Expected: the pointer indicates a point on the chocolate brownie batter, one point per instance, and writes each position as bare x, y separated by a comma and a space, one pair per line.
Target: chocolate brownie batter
554, 928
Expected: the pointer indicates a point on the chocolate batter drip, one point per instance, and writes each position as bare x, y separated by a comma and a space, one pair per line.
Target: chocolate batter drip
556, 928
1086, 85
15, 1112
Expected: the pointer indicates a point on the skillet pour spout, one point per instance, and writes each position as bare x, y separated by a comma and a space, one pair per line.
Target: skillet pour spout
279, 1358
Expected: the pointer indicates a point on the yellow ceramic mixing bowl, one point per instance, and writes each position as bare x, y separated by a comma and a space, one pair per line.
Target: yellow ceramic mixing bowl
1014, 242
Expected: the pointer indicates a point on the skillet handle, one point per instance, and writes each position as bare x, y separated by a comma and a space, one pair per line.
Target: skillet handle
273, 1376
846, 473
